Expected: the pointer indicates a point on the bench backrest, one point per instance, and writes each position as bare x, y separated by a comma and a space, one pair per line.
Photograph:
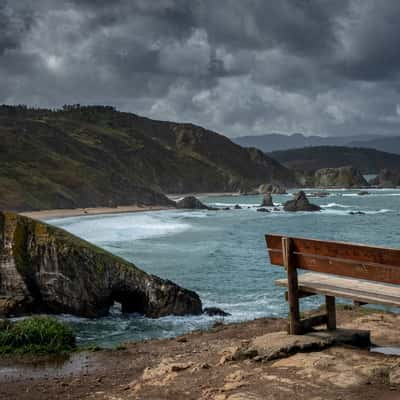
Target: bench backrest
353, 260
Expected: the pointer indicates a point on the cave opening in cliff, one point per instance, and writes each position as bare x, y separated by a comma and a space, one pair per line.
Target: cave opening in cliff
130, 301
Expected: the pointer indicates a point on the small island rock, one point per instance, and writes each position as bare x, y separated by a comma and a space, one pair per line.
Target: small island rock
300, 203
192, 203
215, 311
267, 201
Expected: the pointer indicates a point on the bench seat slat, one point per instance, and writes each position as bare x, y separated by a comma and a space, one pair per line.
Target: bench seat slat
346, 259
349, 288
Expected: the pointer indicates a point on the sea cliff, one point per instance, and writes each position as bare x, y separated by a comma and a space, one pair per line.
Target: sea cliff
46, 269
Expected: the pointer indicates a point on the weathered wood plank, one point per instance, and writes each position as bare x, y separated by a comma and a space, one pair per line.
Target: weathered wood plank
330, 312
346, 259
293, 297
349, 288
300, 294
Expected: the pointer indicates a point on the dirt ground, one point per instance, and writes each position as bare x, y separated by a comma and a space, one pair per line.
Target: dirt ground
203, 365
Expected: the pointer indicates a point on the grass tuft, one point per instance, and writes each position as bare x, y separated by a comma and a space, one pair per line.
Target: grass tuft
36, 335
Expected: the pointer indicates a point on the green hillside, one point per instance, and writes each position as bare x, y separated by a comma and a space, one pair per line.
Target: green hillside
97, 156
308, 159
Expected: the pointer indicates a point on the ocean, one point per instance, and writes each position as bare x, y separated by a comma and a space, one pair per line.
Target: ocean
222, 255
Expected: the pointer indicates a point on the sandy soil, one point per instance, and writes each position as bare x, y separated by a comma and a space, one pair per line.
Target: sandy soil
80, 212
200, 366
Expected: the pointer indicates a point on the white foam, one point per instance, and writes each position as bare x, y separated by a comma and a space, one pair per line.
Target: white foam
373, 194
123, 227
331, 205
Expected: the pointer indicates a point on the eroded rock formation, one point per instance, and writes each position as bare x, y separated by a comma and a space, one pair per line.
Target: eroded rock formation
267, 201
344, 177
387, 179
193, 203
46, 269
272, 189
300, 203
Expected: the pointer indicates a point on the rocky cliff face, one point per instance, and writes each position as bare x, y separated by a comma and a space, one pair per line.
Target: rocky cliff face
45, 269
345, 177
387, 178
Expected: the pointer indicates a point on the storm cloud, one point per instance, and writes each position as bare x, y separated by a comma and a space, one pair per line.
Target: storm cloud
239, 67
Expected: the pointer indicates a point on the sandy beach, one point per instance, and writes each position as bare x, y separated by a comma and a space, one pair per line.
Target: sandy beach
80, 212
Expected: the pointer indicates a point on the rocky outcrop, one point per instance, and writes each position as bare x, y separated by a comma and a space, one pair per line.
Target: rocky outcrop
272, 189
46, 269
215, 311
192, 203
300, 203
267, 201
344, 177
387, 179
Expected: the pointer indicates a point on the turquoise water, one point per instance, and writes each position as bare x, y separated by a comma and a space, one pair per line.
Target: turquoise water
221, 254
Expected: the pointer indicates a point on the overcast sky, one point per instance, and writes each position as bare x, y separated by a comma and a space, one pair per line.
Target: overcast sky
239, 67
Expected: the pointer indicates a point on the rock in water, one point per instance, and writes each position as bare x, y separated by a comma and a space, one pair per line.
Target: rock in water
46, 269
262, 209
215, 311
300, 203
267, 201
192, 203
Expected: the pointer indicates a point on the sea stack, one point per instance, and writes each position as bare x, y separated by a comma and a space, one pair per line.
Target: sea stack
300, 203
192, 203
267, 201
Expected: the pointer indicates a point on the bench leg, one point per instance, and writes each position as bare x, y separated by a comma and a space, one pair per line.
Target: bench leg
331, 312
293, 289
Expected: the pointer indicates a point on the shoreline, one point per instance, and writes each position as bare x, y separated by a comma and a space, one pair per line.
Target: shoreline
82, 212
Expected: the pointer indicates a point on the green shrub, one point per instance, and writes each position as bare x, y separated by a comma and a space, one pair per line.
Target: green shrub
36, 335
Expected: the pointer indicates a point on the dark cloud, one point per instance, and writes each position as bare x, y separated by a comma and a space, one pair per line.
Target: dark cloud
239, 67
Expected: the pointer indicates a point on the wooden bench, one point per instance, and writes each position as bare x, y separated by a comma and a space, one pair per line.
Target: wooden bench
364, 274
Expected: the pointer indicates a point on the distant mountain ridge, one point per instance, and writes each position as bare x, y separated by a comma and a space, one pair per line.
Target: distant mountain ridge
276, 141
310, 159
87, 156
